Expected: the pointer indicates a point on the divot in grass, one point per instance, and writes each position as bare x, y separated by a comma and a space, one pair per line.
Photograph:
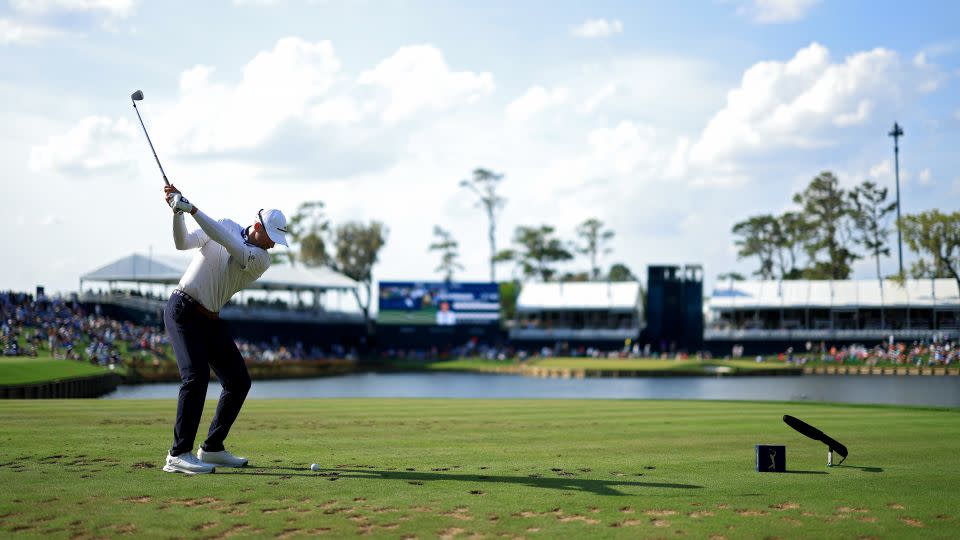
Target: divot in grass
847, 510
461, 512
234, 531
450, 532
577, 517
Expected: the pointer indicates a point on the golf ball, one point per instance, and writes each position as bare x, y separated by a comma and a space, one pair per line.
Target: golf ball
314, 467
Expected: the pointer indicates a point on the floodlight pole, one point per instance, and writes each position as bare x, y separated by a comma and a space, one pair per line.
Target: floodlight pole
896, 133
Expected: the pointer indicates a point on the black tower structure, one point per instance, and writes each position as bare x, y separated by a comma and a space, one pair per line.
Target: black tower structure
674, 310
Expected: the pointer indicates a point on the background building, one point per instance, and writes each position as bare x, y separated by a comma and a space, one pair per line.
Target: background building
772, 315
582, 314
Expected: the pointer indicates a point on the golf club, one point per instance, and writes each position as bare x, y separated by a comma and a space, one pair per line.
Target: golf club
817, 435
134, 98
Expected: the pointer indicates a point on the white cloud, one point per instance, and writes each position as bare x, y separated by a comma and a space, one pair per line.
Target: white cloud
115, 8
12, 31
882, 170
277, 86
855, 117
618, 145
925, 178
417, 77
534, 101
51, 219
955, 187
598, 97
791, 104
95, 145
621, 149
293, 112
884, 173
775, 11
597, 28
929, 75
956, 114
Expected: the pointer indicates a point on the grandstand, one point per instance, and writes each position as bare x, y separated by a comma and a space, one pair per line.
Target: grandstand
287, 302
593, 314
849, 310
293, 282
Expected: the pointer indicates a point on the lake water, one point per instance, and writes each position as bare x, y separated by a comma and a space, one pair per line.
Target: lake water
892, 390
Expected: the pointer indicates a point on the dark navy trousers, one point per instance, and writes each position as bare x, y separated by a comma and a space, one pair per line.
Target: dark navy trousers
200, 343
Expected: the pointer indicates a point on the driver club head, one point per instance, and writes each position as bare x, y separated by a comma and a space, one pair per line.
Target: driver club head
137, 96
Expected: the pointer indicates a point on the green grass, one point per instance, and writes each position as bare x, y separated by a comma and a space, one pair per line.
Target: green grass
24, 370
519, 468
650, 364
611, 364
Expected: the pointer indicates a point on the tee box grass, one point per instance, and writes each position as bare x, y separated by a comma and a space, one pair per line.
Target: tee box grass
440, 468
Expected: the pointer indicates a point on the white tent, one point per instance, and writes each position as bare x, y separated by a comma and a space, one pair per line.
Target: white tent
167, 270
607, 296
864, 293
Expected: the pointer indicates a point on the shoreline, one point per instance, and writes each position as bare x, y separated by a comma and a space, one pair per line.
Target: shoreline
87, 386
94, 386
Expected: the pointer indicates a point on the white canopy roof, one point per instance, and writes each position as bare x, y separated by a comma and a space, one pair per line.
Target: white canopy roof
167, 270
863, 293
609, 296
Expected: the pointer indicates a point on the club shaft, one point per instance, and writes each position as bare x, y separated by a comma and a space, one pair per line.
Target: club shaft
150, 143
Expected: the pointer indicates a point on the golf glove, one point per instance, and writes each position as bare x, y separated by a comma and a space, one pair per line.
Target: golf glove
179, 203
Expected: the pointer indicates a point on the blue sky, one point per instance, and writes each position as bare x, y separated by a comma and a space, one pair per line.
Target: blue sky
670, 121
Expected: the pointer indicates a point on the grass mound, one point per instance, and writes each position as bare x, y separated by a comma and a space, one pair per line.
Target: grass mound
25, 370
469, 468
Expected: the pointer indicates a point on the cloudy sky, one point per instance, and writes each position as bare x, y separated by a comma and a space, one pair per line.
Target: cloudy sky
670, 121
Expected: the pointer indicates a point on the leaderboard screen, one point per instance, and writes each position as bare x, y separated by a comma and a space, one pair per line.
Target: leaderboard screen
438, 303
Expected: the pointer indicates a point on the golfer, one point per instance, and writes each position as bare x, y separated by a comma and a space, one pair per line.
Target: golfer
229, 258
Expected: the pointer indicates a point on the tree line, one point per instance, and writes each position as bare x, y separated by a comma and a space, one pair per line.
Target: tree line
536, 250
831, 227
353, 248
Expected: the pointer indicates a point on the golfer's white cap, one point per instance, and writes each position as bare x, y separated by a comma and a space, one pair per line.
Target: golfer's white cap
275, 224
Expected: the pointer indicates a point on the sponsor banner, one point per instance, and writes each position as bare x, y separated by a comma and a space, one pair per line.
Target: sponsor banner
438, 303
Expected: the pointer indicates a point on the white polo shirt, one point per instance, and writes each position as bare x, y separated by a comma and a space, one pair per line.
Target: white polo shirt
225, 262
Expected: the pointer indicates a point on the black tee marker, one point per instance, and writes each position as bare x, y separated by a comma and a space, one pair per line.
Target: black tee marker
817, 435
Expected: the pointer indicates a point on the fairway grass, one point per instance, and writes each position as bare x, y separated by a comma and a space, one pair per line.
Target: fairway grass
434, 468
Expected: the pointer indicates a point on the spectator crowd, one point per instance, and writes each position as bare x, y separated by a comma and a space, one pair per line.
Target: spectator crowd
935, 352
66, 330
63, 329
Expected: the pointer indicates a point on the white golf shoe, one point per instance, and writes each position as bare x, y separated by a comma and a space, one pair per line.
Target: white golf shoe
188, 464
222, 458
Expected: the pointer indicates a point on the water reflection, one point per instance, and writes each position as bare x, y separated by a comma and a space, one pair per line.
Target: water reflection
894, 390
